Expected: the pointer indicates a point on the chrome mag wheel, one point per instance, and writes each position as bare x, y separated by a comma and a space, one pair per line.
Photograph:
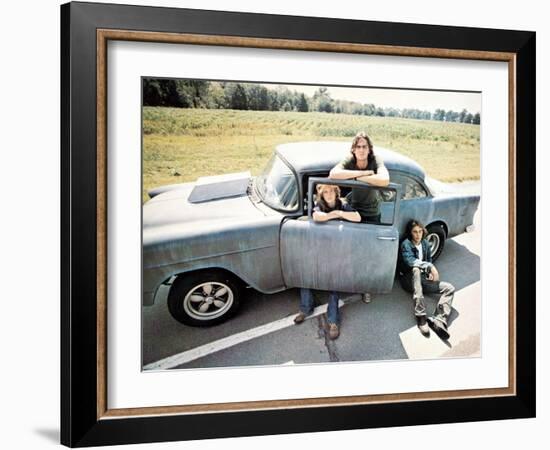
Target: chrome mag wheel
434, 241
208, 301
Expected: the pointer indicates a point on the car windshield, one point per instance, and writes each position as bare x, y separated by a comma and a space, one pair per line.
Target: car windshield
277, 186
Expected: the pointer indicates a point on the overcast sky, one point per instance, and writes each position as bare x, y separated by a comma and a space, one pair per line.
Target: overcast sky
401, 98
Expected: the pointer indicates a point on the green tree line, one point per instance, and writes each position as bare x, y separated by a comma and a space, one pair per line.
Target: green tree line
256, 97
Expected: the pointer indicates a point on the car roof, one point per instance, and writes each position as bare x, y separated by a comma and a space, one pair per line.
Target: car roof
324, 155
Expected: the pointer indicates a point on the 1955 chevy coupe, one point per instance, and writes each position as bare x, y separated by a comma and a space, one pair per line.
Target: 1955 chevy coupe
210, 239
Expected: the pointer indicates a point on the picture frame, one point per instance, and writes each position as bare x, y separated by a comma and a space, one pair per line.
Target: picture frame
85, 30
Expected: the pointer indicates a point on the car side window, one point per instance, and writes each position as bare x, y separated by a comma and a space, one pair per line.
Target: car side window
387, 206
411, 188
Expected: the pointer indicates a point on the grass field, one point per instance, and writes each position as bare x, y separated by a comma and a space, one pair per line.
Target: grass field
180, 145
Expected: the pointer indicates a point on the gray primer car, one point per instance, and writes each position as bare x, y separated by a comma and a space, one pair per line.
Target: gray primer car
211, 238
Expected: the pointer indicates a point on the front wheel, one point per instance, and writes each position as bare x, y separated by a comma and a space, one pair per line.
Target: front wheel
436, 239
204, 298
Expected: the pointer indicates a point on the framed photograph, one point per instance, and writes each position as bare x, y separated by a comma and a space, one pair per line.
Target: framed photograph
253, 207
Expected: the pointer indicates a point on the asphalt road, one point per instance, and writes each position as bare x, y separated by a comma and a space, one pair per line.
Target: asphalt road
263, 332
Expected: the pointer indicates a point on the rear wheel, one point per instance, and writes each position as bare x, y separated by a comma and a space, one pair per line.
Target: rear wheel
436, 239
204, 298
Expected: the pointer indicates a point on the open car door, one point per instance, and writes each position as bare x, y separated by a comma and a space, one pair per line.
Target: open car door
338, 255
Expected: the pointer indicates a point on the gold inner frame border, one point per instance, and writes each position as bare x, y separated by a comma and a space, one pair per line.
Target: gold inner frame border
103, 36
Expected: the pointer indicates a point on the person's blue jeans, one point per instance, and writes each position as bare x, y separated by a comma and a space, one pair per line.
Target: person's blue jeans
306, 305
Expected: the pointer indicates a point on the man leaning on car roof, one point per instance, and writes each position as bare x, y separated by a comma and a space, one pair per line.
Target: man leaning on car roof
363, 165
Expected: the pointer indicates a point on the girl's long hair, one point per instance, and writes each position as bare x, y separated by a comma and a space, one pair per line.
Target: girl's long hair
323, 205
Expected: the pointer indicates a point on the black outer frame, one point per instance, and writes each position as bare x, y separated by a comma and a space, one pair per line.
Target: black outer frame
79, 423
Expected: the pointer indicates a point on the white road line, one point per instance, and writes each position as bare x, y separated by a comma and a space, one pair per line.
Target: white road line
230, 341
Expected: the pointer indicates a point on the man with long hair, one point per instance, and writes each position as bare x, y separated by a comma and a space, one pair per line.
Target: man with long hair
418, 275
363, 165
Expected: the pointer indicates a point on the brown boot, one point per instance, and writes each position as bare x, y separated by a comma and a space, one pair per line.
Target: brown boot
333, 331
299, 318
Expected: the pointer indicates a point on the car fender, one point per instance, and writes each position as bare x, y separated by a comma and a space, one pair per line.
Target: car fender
248, 250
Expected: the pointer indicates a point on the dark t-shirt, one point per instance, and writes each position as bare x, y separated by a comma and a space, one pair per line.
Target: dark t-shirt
365, 201
344, 207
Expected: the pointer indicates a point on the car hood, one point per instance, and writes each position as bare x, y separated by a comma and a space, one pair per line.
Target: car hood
174, 208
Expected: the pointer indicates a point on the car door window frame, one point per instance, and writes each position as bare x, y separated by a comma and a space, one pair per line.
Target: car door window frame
392, 187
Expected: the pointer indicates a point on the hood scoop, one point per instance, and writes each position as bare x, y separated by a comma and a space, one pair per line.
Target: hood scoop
219, 186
